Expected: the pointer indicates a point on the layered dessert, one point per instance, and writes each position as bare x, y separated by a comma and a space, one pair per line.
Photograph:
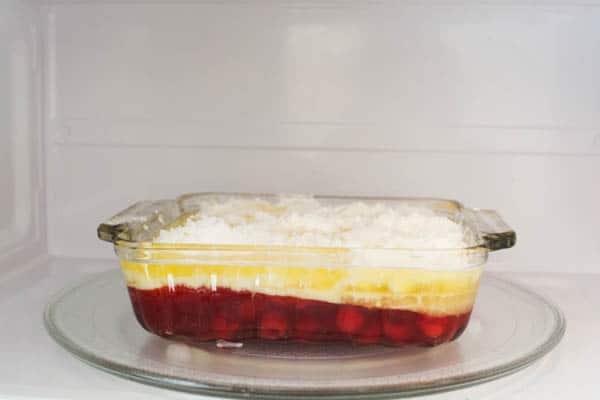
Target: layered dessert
306, 269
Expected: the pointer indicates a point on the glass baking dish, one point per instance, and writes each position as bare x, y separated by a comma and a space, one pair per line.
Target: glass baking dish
364, 295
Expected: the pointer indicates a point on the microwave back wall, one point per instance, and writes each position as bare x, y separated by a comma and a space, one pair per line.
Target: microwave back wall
493, 103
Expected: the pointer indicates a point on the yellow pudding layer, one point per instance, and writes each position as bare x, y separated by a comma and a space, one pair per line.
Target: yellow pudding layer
419, 290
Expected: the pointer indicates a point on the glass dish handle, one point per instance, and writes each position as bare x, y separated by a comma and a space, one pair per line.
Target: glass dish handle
495, 232
140, 221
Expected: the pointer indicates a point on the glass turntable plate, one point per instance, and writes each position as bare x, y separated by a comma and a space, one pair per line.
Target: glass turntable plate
510, 328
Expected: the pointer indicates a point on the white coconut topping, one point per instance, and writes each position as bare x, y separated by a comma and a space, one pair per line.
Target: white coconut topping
306, 221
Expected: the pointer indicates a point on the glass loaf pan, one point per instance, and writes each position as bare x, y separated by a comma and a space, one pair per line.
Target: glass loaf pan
393, 296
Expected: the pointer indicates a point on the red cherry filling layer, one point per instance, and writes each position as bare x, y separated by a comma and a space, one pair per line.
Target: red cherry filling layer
205, 314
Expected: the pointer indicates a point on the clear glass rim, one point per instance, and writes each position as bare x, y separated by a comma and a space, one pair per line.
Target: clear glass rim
149, 245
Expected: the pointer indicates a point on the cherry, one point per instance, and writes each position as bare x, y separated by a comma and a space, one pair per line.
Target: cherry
350, 319
371, 332
315, 320
398, 325
453, 325
247, 316
307, 327
273, 325
432, 327
223, 326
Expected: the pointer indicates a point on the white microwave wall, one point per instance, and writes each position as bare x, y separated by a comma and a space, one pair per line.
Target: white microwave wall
494, 103
22, 183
